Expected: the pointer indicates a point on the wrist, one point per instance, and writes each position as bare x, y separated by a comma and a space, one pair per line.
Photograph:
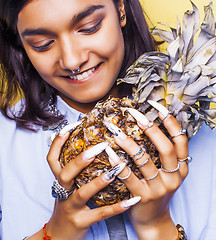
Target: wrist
59, 231
161, 229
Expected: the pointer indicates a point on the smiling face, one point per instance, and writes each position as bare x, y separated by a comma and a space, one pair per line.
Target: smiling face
61, 36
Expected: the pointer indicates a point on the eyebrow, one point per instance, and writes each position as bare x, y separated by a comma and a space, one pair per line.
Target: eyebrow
75, 19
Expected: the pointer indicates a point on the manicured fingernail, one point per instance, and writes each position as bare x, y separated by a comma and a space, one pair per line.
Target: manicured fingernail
138, 116
130, 202
115, 130
113, 172
68, 128
112, 155
159, 107
94, 151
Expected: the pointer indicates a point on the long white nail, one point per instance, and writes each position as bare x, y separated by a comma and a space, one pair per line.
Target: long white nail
94, 151
130, 202
112, 155
69, 127
159, 107
113, 172
138, 116
115, 130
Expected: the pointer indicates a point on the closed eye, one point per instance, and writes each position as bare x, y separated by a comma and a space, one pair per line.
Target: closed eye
93, 29
43, 47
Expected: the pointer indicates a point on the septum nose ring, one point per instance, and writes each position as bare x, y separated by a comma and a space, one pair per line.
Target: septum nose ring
76, 70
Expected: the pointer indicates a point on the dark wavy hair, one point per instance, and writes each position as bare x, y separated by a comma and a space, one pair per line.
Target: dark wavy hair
18, 76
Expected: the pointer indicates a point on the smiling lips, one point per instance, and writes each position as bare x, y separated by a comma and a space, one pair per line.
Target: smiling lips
84, 75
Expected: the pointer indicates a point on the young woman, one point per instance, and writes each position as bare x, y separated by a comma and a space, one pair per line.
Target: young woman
65, 56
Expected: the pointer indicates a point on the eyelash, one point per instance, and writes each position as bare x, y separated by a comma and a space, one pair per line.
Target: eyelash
91, 30
43, 47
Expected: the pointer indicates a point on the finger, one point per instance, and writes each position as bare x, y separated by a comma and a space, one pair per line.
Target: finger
131, 147
159, 139
76, 165
180, 140
84, 193
101, 213
134, 185
54, 152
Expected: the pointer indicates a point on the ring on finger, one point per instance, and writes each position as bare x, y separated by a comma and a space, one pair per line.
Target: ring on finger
149, 126
143, 153
60, 192
171, 171
182, 132
143, 164
188, 159
149, 179
126, 177
137, 153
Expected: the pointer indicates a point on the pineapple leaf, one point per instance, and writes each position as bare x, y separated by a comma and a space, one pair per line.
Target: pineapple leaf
184, 79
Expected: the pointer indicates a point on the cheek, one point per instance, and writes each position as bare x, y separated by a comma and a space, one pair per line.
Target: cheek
43, 64
110, 43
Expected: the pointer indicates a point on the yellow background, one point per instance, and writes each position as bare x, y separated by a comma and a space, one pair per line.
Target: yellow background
167, 11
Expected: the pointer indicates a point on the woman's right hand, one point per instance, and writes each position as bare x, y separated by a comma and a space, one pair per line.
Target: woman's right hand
71, 218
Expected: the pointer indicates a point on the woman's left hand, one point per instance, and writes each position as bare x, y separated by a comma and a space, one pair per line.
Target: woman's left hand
150, 217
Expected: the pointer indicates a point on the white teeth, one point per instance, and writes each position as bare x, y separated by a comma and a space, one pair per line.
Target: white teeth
89, 72
85, 75
79, 77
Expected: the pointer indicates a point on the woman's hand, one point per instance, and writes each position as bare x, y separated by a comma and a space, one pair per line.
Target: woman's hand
150, 217
72, 217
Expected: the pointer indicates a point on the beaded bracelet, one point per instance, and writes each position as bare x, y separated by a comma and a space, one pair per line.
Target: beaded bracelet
181, 233
46, 237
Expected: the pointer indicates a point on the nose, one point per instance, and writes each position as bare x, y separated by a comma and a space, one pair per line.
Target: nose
73, 54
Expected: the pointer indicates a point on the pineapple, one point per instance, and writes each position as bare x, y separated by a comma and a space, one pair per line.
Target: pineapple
183, 80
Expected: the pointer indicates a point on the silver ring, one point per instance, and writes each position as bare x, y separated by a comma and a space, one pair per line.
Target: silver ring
140, 151
149, 126
143, 153
182, 132
188, 159
124, 178
60, 192
149, 179
144, 163
171, 171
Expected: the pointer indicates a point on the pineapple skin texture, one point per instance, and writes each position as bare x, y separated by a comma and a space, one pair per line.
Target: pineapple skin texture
93, 131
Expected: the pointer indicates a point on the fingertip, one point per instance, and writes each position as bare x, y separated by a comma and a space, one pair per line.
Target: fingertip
130, 202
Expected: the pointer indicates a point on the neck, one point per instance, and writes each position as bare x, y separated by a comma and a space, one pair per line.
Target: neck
87, 107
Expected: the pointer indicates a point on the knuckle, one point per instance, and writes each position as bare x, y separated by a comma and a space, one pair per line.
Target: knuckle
184, 172
103, 213
168, 150
63, 177
48, 158
174, 184
77, 222
162, 191
80, 196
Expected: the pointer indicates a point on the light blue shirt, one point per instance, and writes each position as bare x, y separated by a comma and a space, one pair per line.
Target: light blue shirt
26, 180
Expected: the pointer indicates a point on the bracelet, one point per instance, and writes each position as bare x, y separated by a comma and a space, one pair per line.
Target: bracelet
181, 233
46, 237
